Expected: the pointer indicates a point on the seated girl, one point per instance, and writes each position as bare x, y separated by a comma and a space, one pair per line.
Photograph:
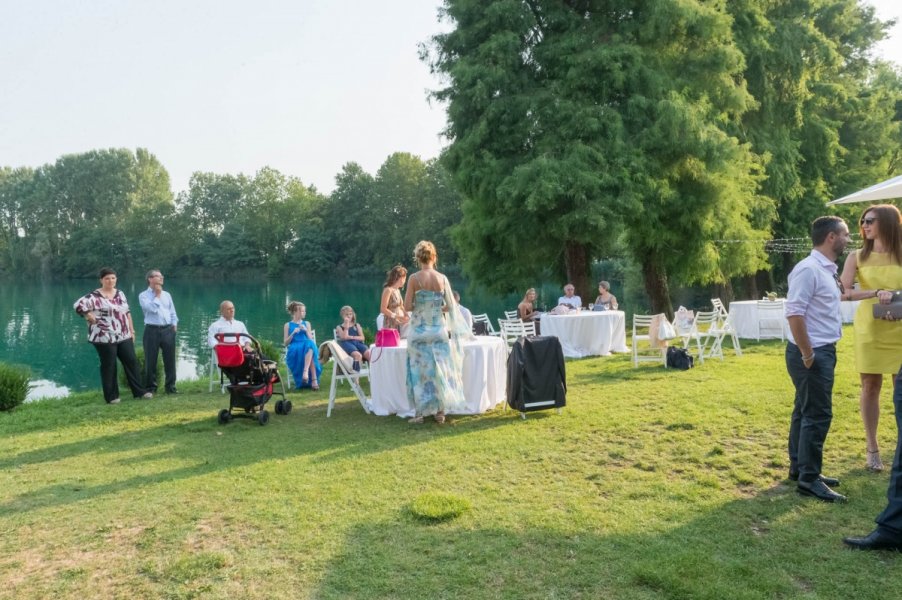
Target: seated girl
350, 337
302, 357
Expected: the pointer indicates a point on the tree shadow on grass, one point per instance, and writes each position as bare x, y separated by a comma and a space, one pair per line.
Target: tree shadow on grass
210, 447
772, 545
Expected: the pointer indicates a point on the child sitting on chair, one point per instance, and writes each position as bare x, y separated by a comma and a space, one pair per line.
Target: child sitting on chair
350, 337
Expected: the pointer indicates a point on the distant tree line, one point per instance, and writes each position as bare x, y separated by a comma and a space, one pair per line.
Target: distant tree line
679, 134
115, 207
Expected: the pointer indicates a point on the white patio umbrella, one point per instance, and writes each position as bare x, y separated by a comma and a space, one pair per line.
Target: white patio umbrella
887, 190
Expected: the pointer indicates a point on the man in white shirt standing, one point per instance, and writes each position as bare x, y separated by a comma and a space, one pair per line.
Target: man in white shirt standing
160, 324
815, 325
569, 298
227, 323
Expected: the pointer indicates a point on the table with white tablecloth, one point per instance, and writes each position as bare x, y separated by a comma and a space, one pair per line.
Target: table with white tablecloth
484, 377
848, 308
744, 317
588, 333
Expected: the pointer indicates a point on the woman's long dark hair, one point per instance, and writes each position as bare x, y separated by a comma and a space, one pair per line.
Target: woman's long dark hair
889, 229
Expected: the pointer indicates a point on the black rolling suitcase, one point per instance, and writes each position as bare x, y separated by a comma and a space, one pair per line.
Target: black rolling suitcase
536, 379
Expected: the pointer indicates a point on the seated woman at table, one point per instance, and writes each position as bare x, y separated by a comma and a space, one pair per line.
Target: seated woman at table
302, 356
527, 308
434, 344
350, 337
605, 297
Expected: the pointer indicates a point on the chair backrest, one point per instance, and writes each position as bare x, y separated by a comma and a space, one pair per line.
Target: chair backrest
770, 309
705, 320
513, 329
484, 318
641, 321
719, 307
511, 314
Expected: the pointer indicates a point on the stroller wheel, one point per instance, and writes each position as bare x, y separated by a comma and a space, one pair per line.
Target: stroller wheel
224, 416
263, 417
280, 407
286, 408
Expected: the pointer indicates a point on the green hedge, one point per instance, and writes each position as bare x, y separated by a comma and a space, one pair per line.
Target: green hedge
14, 380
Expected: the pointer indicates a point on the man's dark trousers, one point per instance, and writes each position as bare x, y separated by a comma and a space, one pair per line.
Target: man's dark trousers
890, 520
156, 338
813, 409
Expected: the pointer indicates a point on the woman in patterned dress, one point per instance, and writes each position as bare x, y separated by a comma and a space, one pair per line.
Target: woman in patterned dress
434, 351
112, 333
392, 306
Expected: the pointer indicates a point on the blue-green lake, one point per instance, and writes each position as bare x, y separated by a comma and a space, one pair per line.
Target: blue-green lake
41, 329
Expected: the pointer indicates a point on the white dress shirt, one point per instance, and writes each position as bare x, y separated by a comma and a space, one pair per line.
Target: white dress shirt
814, 295
574, 301
221, 325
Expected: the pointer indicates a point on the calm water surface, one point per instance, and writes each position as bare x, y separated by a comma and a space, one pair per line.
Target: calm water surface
41, 330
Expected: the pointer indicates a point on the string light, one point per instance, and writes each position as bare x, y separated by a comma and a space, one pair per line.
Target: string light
785, 245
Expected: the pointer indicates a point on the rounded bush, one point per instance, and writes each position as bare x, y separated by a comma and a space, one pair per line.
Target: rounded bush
14, 380
438, 506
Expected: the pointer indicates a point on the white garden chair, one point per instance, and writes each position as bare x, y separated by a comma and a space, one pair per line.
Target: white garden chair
342, 371
484, 318
641, 333
514, 329
771, 312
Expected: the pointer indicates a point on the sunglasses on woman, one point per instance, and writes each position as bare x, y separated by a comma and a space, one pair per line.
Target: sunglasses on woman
868, 221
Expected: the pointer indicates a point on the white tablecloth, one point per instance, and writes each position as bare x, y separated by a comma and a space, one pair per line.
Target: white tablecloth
744, 317
484, 377
588, 333
848, 308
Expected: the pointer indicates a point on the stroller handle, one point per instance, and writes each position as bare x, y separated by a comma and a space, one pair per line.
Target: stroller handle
235, 338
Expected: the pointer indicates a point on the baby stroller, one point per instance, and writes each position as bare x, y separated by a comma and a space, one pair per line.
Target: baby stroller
252, 379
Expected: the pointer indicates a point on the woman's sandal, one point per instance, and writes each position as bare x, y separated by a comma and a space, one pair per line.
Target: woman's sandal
440, 417
415, 420
873, 461
314, 385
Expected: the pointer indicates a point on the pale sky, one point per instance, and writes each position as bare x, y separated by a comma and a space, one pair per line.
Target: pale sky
303, 86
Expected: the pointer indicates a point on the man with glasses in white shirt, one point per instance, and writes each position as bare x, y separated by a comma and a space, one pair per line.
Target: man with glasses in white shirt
815, 325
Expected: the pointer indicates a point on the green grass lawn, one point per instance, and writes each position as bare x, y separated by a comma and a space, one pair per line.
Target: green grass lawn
650, 484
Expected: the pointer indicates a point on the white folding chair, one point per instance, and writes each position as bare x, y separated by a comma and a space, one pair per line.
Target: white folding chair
484, 318
514, 329
342, 371
703, 331
771, 312
511, 314
725, 326
214, 368
649, 353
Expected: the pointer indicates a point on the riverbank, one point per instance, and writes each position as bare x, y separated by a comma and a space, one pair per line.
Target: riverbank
650, 484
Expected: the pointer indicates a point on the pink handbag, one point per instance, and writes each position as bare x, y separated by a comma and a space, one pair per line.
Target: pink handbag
388, 338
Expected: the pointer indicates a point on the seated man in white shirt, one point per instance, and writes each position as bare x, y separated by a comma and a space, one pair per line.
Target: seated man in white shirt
464, 311
569, 299
227, 323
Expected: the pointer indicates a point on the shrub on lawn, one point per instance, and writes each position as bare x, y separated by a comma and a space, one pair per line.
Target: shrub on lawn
437, 506
14, 381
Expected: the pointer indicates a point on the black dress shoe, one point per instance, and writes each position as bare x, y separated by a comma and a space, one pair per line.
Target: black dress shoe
819, 490
876, 540
831, 481
172, 391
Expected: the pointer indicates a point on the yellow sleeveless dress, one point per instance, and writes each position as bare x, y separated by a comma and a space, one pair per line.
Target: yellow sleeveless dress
878, 343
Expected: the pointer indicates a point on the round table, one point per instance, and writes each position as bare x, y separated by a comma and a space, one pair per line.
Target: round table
484, 377
588, 333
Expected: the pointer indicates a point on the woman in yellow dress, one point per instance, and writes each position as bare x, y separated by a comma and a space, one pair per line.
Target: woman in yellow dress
878, 342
